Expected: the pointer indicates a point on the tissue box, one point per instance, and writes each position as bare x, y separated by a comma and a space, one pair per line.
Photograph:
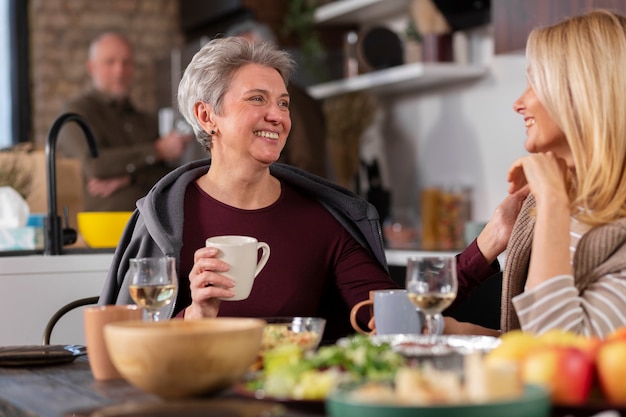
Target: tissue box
18, 238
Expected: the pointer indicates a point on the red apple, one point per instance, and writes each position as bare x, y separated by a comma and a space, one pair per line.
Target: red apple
611, 367
566, 371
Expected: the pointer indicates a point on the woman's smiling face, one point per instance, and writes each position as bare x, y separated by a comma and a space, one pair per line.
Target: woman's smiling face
542, 132
255, 114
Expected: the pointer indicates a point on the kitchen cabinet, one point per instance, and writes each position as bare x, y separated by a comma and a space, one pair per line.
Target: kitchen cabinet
34, 287
403, 78
514, 19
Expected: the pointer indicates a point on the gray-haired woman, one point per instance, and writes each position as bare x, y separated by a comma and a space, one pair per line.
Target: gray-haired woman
327, 251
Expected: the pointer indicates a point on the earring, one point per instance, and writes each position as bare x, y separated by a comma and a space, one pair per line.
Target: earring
212, 132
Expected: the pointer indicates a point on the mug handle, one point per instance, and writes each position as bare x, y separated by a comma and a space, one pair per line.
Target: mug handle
265, 255
353, 321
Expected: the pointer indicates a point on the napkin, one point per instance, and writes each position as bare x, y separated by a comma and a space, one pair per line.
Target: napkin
14, 213
14, 209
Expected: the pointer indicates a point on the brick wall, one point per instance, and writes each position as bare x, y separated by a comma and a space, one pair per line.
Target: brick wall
60, 32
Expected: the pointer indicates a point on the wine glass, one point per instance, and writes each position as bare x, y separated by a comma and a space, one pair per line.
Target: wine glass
431, 285
153, 283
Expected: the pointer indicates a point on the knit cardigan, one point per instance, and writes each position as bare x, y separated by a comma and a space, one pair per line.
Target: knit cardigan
600, 251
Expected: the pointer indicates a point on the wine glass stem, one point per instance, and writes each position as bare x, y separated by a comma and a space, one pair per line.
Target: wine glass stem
432, 325
153, 315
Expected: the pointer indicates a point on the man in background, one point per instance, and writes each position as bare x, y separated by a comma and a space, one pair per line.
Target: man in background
306, 143
132, 156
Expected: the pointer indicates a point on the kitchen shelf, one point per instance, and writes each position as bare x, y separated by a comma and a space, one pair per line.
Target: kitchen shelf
399, 79
343, 12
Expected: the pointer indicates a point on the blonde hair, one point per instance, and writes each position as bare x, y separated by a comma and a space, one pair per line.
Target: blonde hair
576, 67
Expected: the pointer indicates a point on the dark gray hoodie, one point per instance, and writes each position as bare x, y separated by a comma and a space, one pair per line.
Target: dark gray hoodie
156, 226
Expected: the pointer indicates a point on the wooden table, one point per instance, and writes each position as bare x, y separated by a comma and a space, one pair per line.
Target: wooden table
70, 390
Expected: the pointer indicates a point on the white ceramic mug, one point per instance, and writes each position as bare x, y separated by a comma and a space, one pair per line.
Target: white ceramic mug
393, 311
242, 254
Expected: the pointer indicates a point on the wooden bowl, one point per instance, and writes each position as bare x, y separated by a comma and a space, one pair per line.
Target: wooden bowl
177, 359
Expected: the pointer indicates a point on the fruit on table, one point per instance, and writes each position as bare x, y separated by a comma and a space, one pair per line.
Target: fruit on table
611, 366
514, 346
562, 361
566, 371
558, 337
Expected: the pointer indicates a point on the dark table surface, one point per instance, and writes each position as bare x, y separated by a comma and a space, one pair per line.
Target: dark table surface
69, 389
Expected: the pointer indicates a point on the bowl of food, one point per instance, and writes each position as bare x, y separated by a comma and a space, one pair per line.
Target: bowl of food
102, 229
304, 332
447, 376
177, 359
364, 401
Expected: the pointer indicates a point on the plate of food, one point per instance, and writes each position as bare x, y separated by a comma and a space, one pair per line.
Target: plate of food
302, 379
361, 402
458, 382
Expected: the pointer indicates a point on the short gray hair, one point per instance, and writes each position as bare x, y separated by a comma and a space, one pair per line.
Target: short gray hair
211, 70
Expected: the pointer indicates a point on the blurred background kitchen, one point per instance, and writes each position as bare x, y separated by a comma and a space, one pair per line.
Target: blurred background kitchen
417, 95
450, 127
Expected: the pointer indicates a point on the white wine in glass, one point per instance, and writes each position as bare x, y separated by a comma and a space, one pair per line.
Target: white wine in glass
431, 285
153, 283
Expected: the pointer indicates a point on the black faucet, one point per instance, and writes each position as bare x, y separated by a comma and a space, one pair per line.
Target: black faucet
54, 234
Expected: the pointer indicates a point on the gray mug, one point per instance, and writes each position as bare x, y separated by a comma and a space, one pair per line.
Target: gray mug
393, 311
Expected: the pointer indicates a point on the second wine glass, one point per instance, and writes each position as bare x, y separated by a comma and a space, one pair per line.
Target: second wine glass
431, 285
153, 283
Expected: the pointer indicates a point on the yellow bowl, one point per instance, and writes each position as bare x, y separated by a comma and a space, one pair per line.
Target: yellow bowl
177, 359
102, 229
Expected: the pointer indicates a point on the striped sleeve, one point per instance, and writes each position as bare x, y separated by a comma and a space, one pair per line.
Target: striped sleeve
555, 303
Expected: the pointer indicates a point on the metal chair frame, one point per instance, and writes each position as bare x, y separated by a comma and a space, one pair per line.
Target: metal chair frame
61, 312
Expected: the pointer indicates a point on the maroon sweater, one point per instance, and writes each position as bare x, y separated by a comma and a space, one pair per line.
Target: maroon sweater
315, 268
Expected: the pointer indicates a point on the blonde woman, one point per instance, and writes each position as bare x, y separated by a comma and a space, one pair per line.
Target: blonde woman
566, 260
